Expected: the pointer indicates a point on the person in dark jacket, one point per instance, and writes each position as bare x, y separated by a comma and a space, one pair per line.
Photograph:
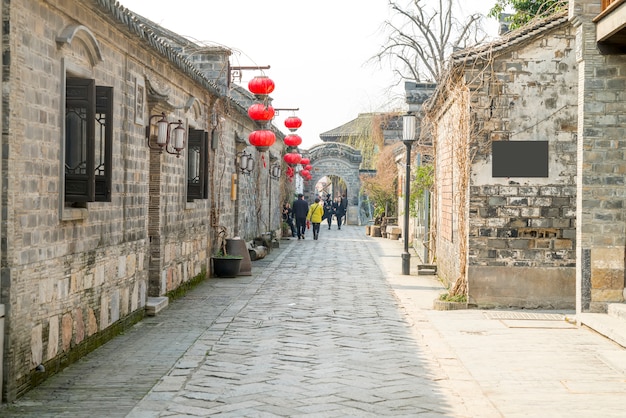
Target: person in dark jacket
288, 218
340, 211
328, 210
300, 209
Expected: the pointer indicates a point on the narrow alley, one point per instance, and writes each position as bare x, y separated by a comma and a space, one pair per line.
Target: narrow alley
330, 328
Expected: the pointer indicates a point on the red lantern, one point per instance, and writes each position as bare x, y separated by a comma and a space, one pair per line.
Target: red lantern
305, 173
262, 140
292, 140
261, 85
293, 123
292, 158
308, 167
305, 161
259, 111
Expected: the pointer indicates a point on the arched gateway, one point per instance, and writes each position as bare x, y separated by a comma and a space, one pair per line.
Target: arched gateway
343, 161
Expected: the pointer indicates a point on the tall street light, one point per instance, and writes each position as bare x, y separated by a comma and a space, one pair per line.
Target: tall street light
408, 136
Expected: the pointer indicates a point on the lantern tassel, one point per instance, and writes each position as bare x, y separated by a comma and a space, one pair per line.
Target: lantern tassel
263, 158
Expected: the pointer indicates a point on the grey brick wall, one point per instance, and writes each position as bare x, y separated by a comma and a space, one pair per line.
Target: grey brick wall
517, 228
601, 165
73, 277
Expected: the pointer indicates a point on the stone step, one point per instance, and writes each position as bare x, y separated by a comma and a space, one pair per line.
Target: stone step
618, 310
154, 305
612, 327
426, 269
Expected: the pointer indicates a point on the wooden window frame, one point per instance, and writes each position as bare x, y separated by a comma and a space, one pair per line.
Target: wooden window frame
88, 107
197, 174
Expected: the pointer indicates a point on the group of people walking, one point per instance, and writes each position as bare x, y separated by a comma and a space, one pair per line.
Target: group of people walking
311, 216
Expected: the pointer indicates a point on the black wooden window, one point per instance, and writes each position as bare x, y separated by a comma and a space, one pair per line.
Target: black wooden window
88, 141
104, 142
197, 148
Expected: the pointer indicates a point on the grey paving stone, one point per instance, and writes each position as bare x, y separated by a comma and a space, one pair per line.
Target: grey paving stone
330, 328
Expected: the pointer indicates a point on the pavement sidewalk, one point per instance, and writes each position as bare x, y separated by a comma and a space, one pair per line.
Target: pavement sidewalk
331, 328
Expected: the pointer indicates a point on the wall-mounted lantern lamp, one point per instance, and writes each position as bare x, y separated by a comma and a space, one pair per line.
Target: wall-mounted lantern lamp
275, 171
166, 138
245, 162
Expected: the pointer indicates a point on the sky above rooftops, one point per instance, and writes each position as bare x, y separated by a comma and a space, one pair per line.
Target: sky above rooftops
317, 51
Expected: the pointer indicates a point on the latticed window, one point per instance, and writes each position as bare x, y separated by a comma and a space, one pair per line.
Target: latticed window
88, 141
197, 147
104, 142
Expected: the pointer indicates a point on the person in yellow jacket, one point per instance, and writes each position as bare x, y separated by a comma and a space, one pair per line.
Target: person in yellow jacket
316, 212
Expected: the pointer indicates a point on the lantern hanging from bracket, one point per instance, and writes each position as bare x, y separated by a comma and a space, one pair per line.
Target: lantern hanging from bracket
292, 140
293, 123
261, 85
262, 139
261, 112
292, 158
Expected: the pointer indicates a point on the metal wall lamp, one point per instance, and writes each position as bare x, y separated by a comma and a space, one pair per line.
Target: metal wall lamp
275, 171
245, 162
166, 138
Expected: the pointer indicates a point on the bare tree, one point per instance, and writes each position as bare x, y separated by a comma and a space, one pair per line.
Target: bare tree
421, 36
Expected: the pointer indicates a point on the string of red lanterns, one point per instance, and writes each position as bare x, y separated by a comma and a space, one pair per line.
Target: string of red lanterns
261, 87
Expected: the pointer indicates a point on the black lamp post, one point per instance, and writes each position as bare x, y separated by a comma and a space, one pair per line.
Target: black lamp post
408, 136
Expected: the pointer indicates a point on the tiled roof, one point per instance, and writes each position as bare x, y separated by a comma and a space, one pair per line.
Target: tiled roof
360, 126
145, 29
511, 39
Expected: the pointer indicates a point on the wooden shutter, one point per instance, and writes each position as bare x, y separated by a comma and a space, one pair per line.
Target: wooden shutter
80, 115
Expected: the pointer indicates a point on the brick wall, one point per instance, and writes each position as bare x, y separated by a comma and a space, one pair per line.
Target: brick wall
511, 231
73, 277
526, 224
601, 166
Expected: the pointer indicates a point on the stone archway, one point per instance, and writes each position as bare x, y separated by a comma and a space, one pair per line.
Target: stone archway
335, 159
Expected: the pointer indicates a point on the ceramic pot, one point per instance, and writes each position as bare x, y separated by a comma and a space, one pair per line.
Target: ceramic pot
226, 266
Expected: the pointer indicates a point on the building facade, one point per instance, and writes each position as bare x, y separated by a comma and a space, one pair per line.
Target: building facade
504, 129
599, 27
98, 217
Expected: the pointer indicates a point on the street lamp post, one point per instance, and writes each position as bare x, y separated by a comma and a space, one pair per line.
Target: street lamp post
408, 136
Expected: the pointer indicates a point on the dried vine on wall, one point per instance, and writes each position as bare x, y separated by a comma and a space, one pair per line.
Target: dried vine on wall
218, 166
468, 140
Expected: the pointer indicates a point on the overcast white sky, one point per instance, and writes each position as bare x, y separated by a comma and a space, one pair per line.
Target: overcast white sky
317, 51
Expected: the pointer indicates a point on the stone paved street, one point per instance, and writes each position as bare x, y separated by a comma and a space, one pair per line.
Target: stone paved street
330, 328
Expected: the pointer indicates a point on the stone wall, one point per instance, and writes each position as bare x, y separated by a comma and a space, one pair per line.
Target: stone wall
601, 236
75, 275
449, 242
527, 224
512, 238
523, 228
